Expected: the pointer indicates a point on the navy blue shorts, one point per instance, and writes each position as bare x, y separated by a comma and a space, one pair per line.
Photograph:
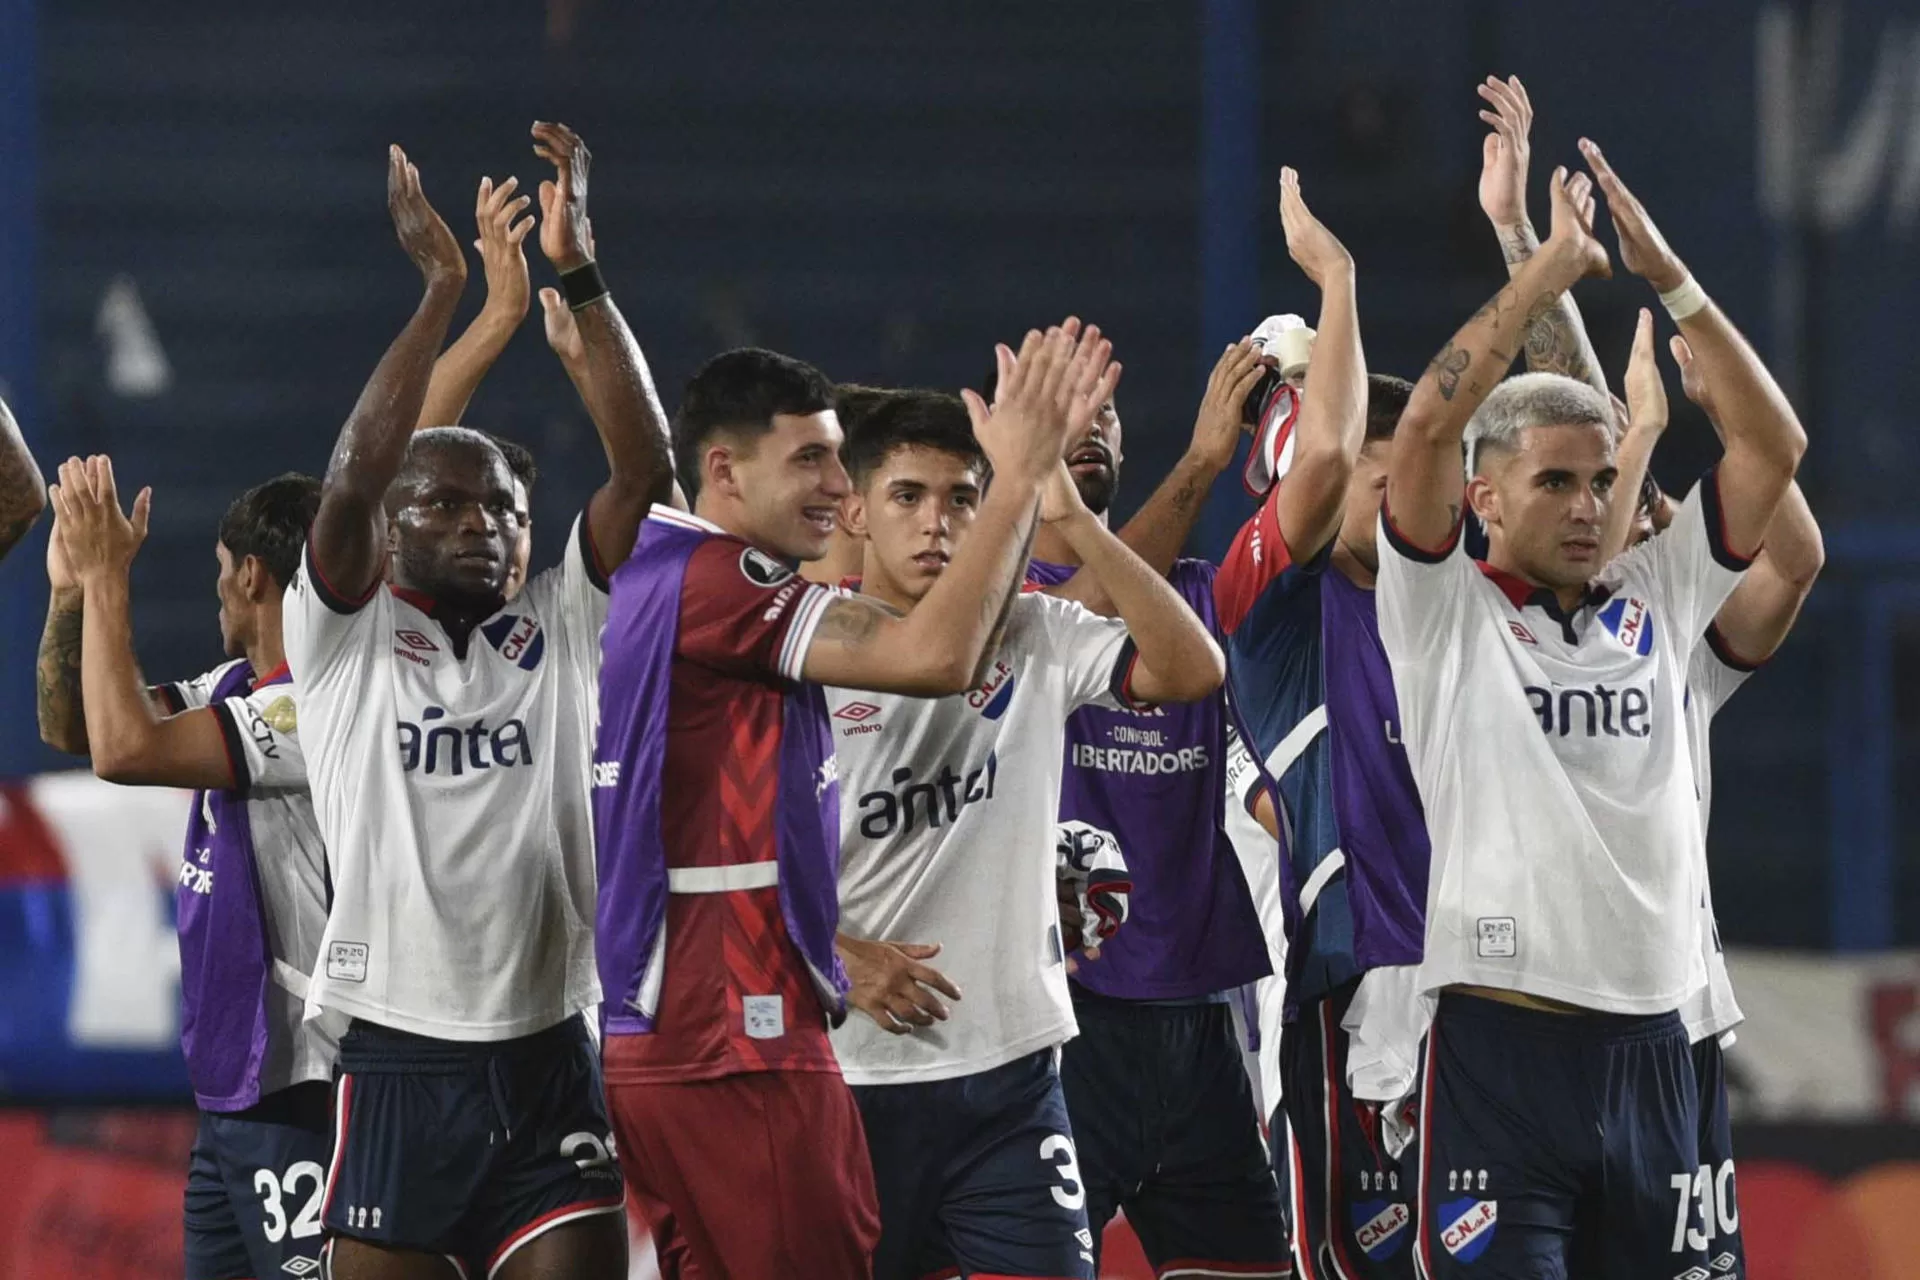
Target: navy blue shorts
1353, 1204
1167, 1128
1716, 1203
977, 1175
1556, 1144
254, 1187
468, 1150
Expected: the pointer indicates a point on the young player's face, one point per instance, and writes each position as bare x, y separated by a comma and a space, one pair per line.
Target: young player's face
523, 544
236, 611
1094, 459
1360, 520
915, 509
454, 529
789, 482
1544, 505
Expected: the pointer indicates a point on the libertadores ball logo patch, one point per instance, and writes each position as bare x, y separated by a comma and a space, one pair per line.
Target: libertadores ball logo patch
762, 569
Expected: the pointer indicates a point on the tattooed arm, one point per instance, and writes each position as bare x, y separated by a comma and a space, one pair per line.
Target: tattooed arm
1556, 338
23, 493
1426, 480
63, 721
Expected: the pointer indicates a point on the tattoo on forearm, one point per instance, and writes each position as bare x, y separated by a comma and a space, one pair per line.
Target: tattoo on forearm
851, 620
1557, 341
1517, 244
1447, 368
57, 680
22, 491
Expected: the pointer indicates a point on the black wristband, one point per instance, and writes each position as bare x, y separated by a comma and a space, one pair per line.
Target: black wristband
583, 286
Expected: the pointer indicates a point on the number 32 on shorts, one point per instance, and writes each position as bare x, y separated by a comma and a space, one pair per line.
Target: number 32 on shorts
1711, 1190
277, 1193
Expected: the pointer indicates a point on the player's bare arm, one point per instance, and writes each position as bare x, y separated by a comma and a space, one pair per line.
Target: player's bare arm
1050, 389
1556, 340
1333, 408
1426, 482
1763, 608
1764, 437
349, 538
23, 492
130, 741
1644, 416
56, 679
461, 367
1178, 660
613, 378
892, 983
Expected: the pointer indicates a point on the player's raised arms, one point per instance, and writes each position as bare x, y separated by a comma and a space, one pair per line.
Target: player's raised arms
460, 368
1764, 438
1051, 389
23, 493
1425, 483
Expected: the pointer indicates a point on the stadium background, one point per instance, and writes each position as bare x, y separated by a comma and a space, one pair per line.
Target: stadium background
197, 273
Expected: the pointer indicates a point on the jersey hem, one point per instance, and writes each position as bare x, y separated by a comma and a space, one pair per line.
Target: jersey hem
1548, 989
1055, 1035
236, 752
471, 1033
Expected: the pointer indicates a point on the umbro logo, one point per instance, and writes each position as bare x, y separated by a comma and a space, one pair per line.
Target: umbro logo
856, 712
416, 640
300, 1265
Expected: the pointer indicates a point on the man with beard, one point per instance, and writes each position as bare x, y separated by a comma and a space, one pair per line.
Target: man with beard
1163, 1113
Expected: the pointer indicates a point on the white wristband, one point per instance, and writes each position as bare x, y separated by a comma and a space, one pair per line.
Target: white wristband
1686, 300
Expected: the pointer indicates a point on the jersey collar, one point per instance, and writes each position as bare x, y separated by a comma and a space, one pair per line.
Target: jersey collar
1521, 593
279, 675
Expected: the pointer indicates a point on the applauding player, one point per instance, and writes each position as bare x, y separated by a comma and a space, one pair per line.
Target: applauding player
947, 834
469, 1114
1542, 701
251, 897
716, 800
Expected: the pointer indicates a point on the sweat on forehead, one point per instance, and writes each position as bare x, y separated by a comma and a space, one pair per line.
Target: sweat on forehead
444, 452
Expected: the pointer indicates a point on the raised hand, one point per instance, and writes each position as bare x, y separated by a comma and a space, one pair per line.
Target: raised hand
1505, 152
563, 331
1220, 423
566, 236
1060, 496
98, 538
1570, 236
60, 574
1642, 248
1319, 253
1048, 394
1646, 391
1693, 383
423, 232
502, 230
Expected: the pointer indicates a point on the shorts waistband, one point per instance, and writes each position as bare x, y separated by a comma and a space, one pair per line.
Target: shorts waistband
369, 1046
1612, 1028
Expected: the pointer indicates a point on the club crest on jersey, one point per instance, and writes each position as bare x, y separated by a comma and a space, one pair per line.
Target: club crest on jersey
519, 640
1466, 1226
763, 570
991, 698
1631, 623
1380, 1227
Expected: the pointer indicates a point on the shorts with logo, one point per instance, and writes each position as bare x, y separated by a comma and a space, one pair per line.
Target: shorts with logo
977, 1175
1553, 1144
254, 1187
1166, 1127
1716, 1202
1353, 1203
468, 1150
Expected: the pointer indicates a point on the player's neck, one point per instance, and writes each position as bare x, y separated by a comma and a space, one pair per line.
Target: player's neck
266, 653
1568, 598
1356, 570
1051, 546
879, 587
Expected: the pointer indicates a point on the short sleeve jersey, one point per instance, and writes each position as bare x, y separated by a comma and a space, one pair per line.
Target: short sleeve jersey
947, 820
259, 724
736, 994
1714, 675
1552, 754
451, 782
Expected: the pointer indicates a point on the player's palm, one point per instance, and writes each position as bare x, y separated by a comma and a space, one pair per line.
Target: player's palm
1646, 391
1507, 151
1643, 249
1317, 250
1571, 231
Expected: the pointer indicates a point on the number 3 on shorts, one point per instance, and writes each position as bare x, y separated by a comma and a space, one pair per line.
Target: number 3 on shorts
273, 1213
1057, 1151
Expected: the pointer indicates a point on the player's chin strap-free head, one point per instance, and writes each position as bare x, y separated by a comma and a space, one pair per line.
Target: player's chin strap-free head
1290, 342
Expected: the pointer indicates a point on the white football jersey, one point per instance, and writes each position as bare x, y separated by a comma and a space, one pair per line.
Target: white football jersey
262, 734
1552, 756
1711, 680
948, 809
452, 789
